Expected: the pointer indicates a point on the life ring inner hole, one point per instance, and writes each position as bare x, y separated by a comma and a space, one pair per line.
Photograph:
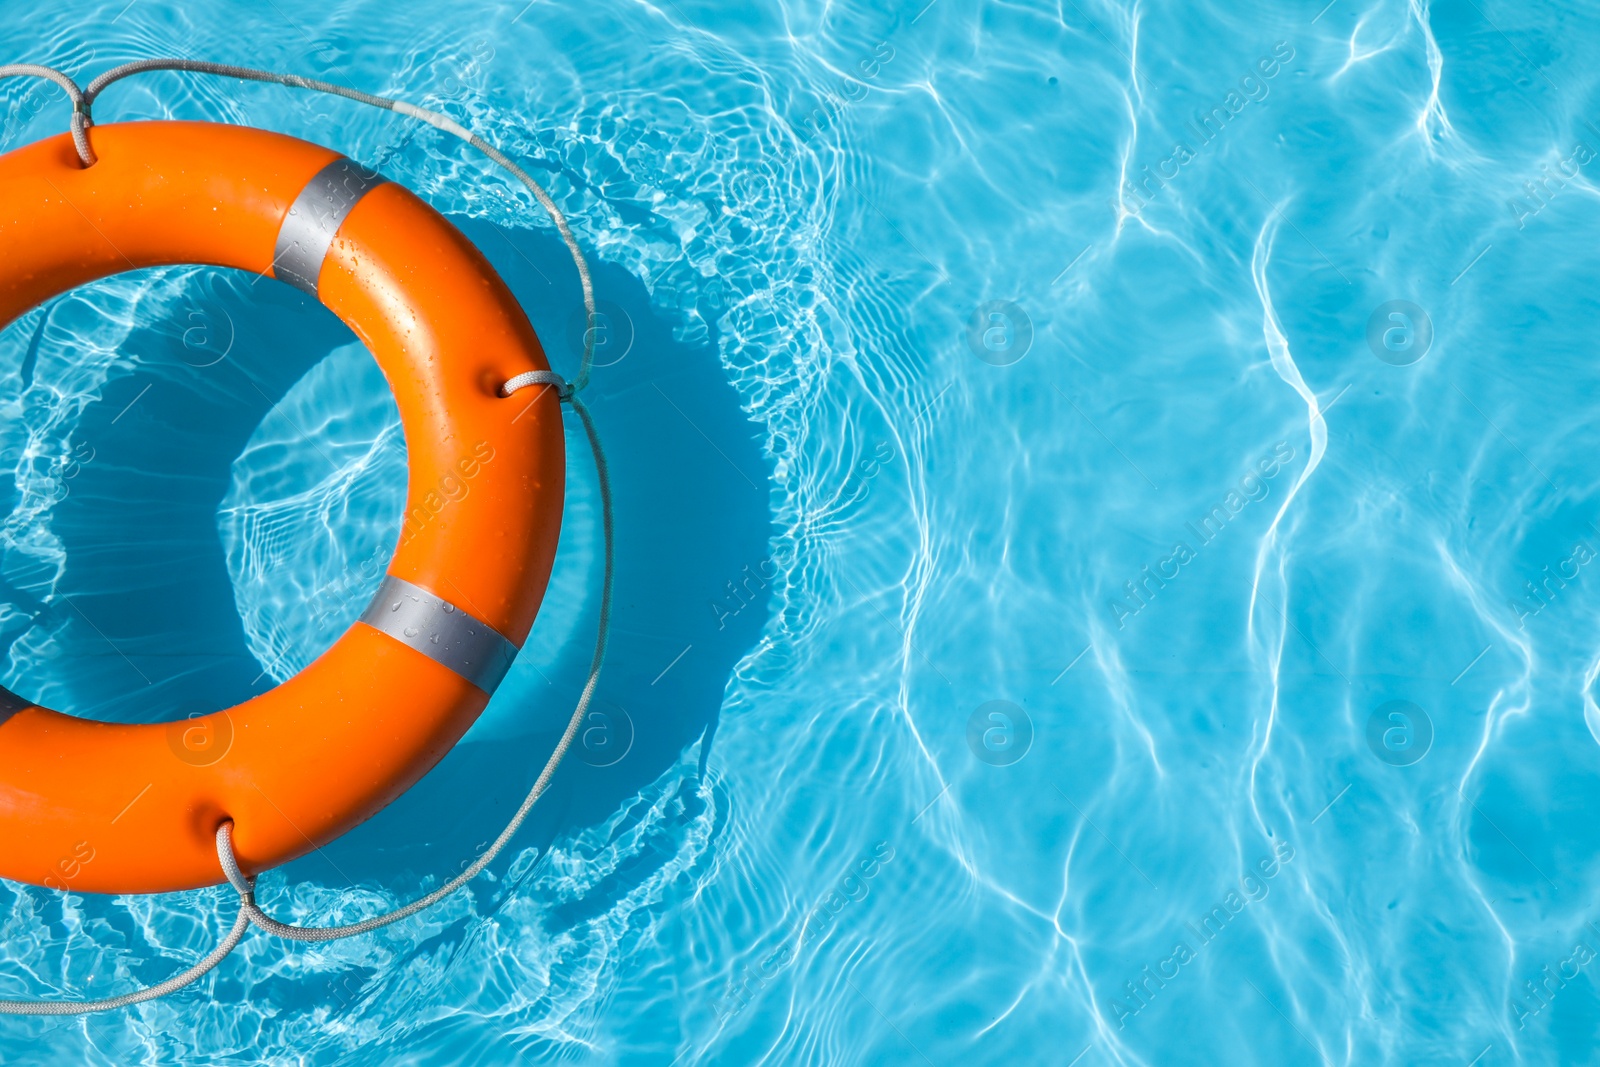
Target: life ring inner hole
177, 423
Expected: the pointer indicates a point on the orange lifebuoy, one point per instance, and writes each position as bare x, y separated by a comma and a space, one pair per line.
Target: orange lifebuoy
115, 808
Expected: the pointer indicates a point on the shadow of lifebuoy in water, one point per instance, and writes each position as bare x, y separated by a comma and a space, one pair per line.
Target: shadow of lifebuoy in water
692, 579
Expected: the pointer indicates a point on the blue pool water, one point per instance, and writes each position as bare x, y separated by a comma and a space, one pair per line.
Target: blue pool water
1106, 503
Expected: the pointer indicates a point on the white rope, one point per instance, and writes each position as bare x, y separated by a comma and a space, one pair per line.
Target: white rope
138, 996
82, 117
249, 912
80, 112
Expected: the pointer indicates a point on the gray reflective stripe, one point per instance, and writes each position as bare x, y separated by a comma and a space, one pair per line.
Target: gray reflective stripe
313, 219
441, 631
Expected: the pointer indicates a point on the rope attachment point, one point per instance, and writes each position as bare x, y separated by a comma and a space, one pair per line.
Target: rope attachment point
564, 389
230, 864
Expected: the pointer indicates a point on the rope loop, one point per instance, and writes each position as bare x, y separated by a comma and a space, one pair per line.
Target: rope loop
564, 389
245, 885
80, 102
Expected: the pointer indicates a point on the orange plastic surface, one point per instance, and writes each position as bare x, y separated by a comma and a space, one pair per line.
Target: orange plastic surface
113, 808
